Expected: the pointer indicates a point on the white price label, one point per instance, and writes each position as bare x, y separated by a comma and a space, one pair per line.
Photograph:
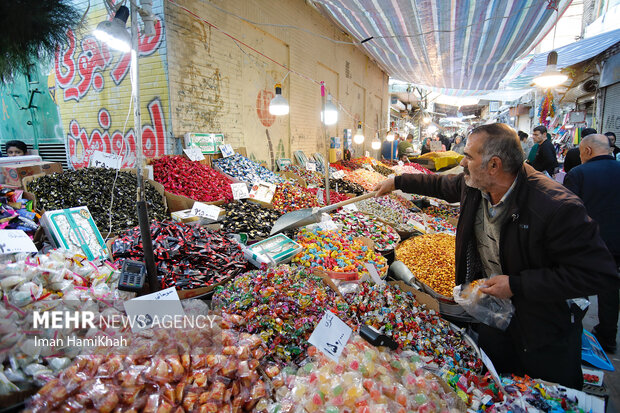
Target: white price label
366, 166
194, 153
15, 240
105, 160
338, 174
320, 196
227, 150
211, 212
433, 202
240, 190
367, 154
330, 336
372, 270
373, 161
263, 191
489, 365
350, 207
401, 163
159, 309
311, 166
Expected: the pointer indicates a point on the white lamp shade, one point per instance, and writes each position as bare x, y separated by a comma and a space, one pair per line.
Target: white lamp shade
114, 33
431, 129
550, 78
330, 115
376, 144
358, 138
279, 106
390, 137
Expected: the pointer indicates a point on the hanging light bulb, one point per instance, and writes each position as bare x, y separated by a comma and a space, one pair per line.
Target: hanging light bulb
376, 143
278, 105
427, 119
330, 115
551, 77
431, 129
359, 136
114, 33
390, 136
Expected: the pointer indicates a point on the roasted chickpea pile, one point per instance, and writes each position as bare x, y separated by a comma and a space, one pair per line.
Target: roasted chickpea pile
431, 260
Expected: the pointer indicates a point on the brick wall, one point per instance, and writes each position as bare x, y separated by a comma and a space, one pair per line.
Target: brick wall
93, 91
216, 86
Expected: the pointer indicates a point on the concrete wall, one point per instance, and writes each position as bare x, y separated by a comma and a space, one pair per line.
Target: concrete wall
93, 91
218, 86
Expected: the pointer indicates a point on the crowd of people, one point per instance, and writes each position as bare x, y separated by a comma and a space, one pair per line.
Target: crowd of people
558, 243
402, 148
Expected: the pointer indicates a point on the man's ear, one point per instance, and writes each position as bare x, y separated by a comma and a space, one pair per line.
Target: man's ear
494, 165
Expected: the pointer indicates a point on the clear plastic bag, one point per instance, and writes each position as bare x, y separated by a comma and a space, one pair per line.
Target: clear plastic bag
492, 311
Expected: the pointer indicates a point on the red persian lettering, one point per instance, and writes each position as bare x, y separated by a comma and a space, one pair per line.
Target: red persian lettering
65, 63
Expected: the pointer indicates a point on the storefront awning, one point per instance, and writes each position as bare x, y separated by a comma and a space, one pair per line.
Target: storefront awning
453, 45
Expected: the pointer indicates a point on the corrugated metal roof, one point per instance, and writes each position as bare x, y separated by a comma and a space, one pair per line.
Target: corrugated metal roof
447, 44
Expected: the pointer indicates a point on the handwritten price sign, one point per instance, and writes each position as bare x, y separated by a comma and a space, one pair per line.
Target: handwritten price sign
206, 211
330, 336
194, 153
239, 190
227, 150
15, 240
105, 160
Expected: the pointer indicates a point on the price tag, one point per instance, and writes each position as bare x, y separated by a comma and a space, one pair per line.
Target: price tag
367, 154
489, 365
211, 212
372, 270
320, 196
350, 207
366, 166
194, 153
227, 150
311, 166
154, 310
15, 240
263, 191
239, 190
105, 160
330, 336
401, 163
433, 202
338, 175
373, 161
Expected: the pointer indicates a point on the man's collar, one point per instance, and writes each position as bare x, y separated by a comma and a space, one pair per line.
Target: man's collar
486, 195
601, 158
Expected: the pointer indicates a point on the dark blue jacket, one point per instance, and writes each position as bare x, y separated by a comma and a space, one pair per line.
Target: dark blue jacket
386, 147
596, 183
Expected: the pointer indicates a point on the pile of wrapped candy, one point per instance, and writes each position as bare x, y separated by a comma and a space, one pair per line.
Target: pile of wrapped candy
16, 212
346, 187
92, 187
60, 280
312, 178
411, 168
430, 258
334, 197
162, 370
336, 252
390, 211
181, 176
282, 305
367, 179
366, 379
246, 170
249, 218
186, 256
398, 315
290, 197
357, 224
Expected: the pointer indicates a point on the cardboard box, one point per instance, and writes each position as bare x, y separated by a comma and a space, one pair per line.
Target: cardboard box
14, 173
179, 202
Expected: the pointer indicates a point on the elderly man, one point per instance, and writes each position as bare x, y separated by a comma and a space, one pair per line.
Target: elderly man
593, 181
533, 242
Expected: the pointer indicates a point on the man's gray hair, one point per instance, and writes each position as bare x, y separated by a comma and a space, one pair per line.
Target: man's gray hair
598, 142
501, 141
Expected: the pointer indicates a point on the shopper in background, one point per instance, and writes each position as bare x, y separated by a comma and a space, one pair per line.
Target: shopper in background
573, 157
405, 148
15, 148
550, 252
445, 142
426, 146
591, 181
388, 150
526, 142
545, 160
459, 145
612, 142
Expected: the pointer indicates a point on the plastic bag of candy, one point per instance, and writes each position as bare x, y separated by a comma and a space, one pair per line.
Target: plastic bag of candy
492, 311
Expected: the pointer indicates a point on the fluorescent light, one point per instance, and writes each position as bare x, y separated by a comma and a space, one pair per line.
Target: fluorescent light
330, 115
279, 105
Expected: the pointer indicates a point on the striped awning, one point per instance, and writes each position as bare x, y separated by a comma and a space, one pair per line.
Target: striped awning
567, 56
449, 44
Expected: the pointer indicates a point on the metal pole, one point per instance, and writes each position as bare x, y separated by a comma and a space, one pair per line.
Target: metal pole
143, 218
324, 101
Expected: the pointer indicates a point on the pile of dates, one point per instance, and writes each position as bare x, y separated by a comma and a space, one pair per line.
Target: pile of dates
92, 187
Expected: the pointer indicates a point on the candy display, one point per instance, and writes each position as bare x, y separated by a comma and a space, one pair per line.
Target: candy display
337, 252
16, 212
367, 179
312, 178
398, 315
442, 210
203, 370
246, 170
181, 176
411, 168
366, 379
186, 256
357, 224
431, 260
346, 187
282, 305
61, 280
390, 211
289, 197
334, 197
92, 187
250, 218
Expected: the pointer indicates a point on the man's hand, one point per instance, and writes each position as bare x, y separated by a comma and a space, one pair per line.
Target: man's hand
497, 286
385, 187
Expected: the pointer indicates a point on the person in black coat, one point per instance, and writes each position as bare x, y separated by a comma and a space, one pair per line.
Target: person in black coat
591, 181
572, 157
550, 252
612, 142
546, 159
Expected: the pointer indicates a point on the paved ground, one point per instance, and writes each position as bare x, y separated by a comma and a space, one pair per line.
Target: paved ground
611, 379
